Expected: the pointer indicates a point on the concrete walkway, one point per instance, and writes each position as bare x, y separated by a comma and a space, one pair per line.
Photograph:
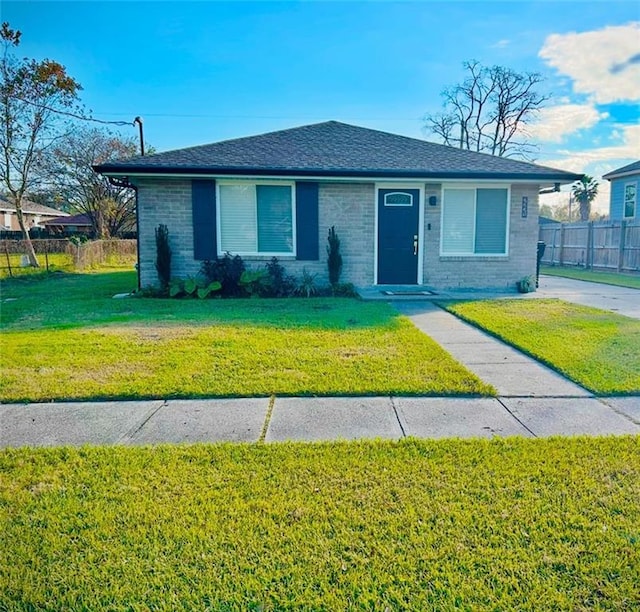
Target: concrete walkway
623, 300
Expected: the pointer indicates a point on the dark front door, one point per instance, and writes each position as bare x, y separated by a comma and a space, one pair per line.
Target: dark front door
398, 236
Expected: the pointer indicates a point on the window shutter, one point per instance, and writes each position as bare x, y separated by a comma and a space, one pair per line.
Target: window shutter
203, 202
307, 221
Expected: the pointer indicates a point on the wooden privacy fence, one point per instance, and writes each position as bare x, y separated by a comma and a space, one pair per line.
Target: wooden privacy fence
605, 245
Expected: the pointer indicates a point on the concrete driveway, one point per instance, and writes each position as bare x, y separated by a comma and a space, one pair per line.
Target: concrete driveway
622, 300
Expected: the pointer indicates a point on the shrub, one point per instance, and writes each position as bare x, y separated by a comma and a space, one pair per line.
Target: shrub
227, 270
334, 259
344, 290
256, 282
281, 284
193, 287
307, 285
526, 284
163, 256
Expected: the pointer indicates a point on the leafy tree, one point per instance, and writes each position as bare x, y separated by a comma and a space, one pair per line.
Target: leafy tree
547, 211
34, 95
584, 192
111, 208
487, 112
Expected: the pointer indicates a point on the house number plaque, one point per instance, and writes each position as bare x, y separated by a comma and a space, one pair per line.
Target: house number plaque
525, 207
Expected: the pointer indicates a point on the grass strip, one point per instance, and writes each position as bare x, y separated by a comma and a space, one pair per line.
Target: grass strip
597, 349
514, 524
595, 276
65, 338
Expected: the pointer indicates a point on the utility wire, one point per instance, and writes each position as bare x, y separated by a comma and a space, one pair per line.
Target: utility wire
73, 115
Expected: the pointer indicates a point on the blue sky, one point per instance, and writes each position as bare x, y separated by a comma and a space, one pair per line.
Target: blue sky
199, 72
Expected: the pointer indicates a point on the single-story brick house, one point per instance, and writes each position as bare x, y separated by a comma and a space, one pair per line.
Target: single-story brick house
623, 200
407, 211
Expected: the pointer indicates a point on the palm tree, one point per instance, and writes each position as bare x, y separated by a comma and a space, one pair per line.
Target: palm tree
585, 192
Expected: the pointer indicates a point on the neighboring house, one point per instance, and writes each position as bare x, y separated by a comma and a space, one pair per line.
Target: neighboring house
34, 214
407, 211
623, 201
71, 224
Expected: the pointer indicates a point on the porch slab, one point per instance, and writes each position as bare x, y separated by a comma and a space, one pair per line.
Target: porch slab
332, 418
569, 417
191, 421
72, 424
439, 417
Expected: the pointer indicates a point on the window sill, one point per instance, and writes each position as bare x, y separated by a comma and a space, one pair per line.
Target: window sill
259, 257
479, 257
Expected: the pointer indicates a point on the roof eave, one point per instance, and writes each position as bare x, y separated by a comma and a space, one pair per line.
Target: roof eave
615, 175
558, 177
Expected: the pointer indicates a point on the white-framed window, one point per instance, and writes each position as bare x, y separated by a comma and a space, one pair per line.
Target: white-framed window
256, 218
475, 220
630, 200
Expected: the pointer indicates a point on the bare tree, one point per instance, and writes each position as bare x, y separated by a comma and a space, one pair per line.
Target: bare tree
111, 208
32, 96
488, 111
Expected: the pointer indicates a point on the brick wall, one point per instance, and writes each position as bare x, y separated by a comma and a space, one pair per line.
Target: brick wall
350, 207
165, 201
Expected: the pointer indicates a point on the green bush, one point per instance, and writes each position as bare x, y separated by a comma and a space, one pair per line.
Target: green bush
334, 259
227, 270
193, 287
345, 290
307, 285
281, 284
163, 256
256, 282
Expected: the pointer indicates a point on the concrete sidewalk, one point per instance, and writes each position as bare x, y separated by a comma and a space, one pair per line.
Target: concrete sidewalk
311, 419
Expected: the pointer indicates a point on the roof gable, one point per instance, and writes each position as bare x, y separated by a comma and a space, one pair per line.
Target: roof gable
335, 149
633, 168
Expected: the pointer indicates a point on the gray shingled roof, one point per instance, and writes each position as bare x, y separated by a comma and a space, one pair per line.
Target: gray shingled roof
628, 169
334, 149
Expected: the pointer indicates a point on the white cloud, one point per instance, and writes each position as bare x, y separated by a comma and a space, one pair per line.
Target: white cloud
604, 158
555, 122
501, 44
596, 162
603, 64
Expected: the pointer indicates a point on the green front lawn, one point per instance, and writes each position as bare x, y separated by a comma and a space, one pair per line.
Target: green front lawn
511, 524
595, 348
595, 276
64, 337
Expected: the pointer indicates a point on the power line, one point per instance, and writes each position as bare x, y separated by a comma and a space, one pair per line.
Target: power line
73, 115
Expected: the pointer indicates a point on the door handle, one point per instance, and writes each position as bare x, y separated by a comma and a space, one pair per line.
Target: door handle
415, 244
